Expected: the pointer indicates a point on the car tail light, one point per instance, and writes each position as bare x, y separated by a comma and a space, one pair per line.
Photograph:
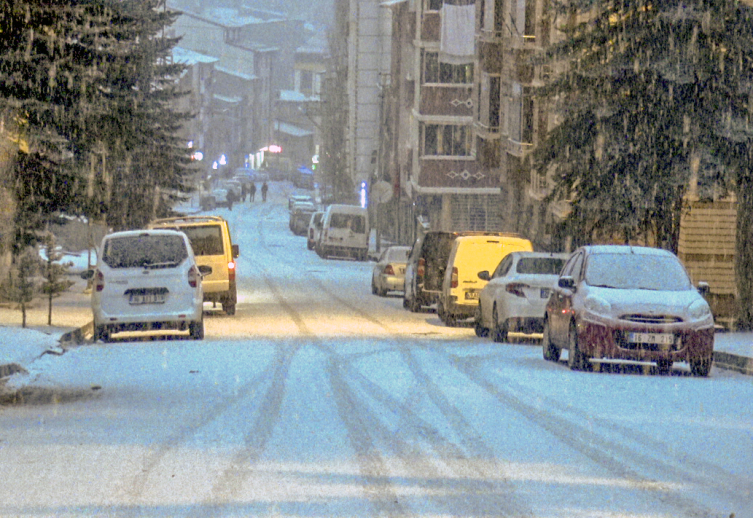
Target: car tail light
99, 281
193, 276
421, 267
516, 288
231, 271
454, 277
388, 270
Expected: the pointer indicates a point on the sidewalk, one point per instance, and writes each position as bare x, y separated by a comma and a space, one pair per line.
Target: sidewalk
71, 314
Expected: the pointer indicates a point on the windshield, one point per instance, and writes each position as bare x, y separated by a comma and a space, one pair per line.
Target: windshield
636, 271
144, 251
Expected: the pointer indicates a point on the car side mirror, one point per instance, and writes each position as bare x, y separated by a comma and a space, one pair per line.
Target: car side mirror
704, 289
205, 270
236, 251
484, 276
567, 283
87, 274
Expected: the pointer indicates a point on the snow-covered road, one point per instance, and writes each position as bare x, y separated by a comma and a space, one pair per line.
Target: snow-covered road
320, 399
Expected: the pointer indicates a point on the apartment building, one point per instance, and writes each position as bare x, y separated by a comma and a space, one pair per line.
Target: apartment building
431, 118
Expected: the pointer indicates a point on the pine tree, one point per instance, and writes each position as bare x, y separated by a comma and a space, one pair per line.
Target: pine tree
20, 287
53, 272
656, 92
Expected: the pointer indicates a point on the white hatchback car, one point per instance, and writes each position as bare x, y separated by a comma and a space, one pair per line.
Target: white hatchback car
147, 280
515, 297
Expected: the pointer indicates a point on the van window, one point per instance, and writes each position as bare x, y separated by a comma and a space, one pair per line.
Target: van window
205, 240
353, 222
147, 251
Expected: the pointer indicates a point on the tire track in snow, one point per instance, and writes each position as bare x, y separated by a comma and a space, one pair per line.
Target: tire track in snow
135, 488
611, 456
232, 479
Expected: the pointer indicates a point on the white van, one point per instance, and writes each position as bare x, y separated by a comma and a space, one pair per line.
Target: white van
345, 232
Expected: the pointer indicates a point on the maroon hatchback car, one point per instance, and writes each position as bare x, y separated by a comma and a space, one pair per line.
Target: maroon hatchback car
628, 303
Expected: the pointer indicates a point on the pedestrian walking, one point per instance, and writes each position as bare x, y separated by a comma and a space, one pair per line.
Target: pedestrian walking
264, 189
244, 191
252, 191
231, 198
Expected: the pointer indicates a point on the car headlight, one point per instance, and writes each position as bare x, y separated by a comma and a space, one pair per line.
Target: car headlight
699, 309
598, 305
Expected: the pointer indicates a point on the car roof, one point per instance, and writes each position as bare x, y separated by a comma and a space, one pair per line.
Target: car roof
555, 255
152, 232
187, 221
625, 249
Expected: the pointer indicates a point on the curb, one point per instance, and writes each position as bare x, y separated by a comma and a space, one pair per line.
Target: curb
733, 362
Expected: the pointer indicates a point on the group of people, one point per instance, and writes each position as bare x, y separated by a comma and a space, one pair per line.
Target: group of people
247, 190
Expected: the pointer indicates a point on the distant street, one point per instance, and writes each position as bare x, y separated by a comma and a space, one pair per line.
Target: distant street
319, 399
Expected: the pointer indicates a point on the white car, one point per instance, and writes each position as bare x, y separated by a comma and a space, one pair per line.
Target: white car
389, 271
147, 280
515, 297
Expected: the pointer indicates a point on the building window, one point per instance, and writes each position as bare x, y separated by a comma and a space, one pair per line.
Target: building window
307, 81
523, 18
445, 73
489, 101
521, 114
446, 140
433, 5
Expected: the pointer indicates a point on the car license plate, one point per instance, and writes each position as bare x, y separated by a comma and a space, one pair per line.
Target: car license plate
651, 338
471, 295
146, 298
544, 293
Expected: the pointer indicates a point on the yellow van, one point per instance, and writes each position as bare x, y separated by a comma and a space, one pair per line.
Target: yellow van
210, 239
469, 256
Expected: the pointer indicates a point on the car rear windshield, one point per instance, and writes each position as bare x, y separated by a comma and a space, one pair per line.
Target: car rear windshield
144, 251
636, 271
398, 255
540, 265
205, 239
351, 221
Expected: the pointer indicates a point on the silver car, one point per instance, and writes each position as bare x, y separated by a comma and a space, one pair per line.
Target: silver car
389, 271
515, 297
147, 280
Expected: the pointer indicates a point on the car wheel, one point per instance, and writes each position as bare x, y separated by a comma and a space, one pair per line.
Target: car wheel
481, 331
414, 305
406, 303
229, 308
664, 366
551, 353
373, 287
101, 333
499, 331
700, 366
576, 360
309, 245
196, 330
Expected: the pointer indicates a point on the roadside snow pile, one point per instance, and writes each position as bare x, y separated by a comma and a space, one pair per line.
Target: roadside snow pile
19, 349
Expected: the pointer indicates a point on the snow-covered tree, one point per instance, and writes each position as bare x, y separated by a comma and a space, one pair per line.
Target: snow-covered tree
20, 286
654, 95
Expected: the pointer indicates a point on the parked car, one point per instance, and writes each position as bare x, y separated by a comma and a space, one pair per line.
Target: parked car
515, 296
628, 303
314, 230
147, 280
424, 271
213, 247
297, 198
389, 271
345, 232
300, 216
216, 197
471, 254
